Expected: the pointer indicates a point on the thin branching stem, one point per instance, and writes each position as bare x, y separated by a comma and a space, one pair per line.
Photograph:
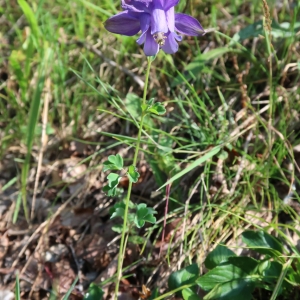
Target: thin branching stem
123, 242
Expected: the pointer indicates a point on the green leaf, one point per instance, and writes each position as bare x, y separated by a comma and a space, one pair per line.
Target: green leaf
184, 276
217, 256
189, 294
30, 16
117, 210
262, 242
221, 274
118, 228
111, 192
247, 264
263, 266
132, 174
131, 218
114, 162
133, 105
144, 214
294, 273
113, 180
135, 239
272, 272
157, 108
94, 293
234, 290
146, 106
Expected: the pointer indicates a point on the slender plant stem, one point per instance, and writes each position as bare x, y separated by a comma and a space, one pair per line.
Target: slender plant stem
123, 242
280, 279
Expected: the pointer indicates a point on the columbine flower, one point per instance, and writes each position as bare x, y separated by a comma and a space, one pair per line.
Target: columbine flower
158, 23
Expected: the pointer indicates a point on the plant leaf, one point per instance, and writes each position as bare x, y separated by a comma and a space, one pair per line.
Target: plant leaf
189, 294
217, 256
184, 276
117, 210
132, 174
262, 242
247, 264
221, 274
233, 290
133, 105
144, 214
113, 180
114, 162
272, 273
157, 108
30, 16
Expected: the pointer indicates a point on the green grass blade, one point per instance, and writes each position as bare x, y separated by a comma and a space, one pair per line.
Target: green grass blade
94, 7
67, 295
30, 16
193, 165
9, 184
33, 119
17, 289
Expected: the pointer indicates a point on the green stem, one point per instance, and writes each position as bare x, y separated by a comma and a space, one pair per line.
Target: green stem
280, 279
123, 242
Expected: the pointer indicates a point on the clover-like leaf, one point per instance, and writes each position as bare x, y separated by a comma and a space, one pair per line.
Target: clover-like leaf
118, 228
113, 180
132, 174
117, 210
146, 106
144, 214
114, 162
157, 109
109, 191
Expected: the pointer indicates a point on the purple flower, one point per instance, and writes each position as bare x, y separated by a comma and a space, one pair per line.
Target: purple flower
158, 22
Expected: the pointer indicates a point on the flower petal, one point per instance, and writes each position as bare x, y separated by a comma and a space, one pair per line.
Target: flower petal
158, 21
136, 5
145, 24
188, 25
170, 19
150, 47
171, 46
169, 3
123, 23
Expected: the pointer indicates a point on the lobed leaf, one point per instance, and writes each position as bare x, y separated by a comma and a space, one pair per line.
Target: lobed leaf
132, 174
